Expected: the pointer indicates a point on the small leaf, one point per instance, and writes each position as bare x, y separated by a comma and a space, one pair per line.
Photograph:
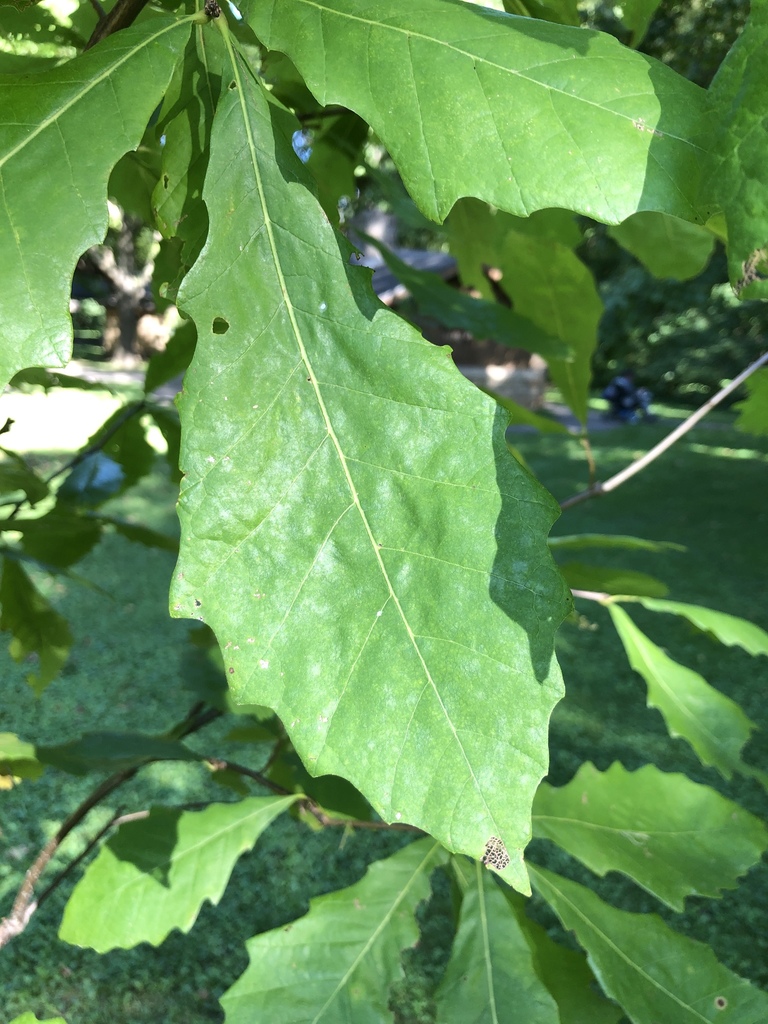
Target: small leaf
30, 1018
713, 724
655, 974
667, 246
519, 415
335, 964
606, 580
753, 411
36, 376
118, 83
142, 534
610, 540
154, 875
173, 359
18, 758
540, 115
672, 836
35, 627
728, 629
112, 752
490, 976
61, 537
17, 475
168, 423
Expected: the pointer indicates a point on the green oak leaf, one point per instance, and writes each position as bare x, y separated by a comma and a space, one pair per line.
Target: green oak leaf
608, 580
667, 246
490, 976
753, 411
17, 475
353, 527
112, 752
674, 837
656, 975
37, 630
713, 724
728, 629
578, 541
155, 874
735, 182
53, 120
335, 965
18, 758
528, 115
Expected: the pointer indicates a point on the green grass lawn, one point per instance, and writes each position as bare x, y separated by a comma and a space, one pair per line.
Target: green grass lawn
131, 667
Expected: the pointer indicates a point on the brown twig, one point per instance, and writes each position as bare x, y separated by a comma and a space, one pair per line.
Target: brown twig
598, 488
123, 14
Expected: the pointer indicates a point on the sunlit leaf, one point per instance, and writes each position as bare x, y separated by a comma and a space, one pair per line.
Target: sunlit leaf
18, 758
713, 724
329, 502
155, 874
540, 115
655, 974
728, 629
672, 836
335, 965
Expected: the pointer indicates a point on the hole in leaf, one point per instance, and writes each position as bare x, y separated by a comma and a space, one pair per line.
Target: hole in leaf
165, 181
233, 85
220, 325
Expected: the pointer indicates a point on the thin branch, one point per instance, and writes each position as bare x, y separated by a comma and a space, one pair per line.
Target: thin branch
586, 445
615, 481
123, 14
592, 595
99, 9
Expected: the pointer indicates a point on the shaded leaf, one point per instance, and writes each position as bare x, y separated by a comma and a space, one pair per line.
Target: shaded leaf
607, 580
335, 964
713, 724
540, 115
460, 311
36, 376
134, 176
18, 757
128, 445
655, 974
55, 218
635, 16
520, 415
753, 411
735, 182
59, 538
490, 976
167, 422
155, 874
563, 12
577, 541
112, 752
667, 246
37, 630
142, 534
355, 475
728, 629
173, 359
17, 475
674, 837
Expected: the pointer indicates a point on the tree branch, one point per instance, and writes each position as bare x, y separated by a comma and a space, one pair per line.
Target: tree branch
123, 14
615, 481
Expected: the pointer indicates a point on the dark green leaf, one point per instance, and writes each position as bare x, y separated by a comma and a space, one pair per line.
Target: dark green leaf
58, 539
713, 724
610, 540
655, 974
36, 376
324, 505
667, 246
134, 176
335, 965
112, 752
57, 216
173, 359
17, 475
38, 632
606, 580
490, 976
142, 534
540, 115
672, 836
155, 874
753, 411
167, 422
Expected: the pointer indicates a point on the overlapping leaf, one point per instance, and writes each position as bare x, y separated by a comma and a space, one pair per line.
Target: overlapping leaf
335, 965
667, 246
712, 723
47, 220
672, 836
154, 874
18, 758
490, 976
655, 974
524, 114
753, 411
112, 752
577, 541
353, 527
608, 580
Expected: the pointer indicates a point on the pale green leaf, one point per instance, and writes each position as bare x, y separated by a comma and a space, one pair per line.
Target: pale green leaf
352, 522
674, 837
565, 973
155, 874
735, 182
520, 415
713, 724
335, 965
607, 580
112, 752
38, 633
667, 246
577, 541
655, 974
728, 629
490, 976
18, 757
753, 411
460, 311
528, 115
53, 120
30, 1018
